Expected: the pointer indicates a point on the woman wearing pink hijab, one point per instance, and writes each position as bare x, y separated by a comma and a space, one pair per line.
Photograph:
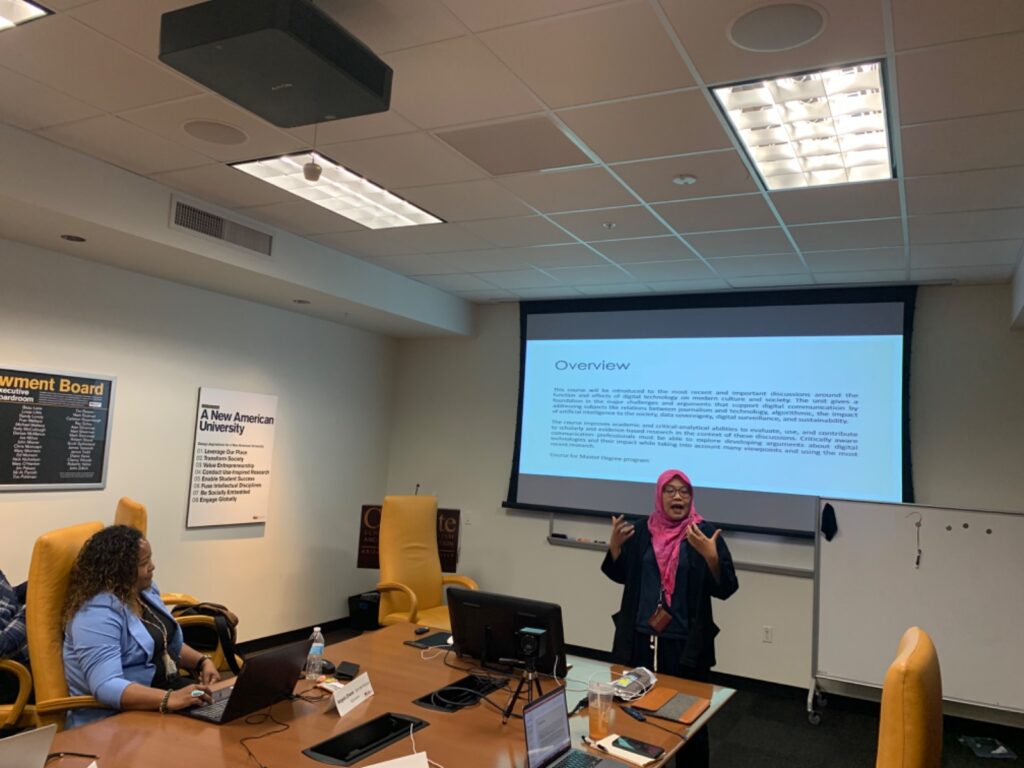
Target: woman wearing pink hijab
670, 565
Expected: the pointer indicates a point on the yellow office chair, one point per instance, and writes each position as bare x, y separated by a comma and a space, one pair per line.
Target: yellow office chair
910, 729
18, 714
52, 557
411, 583
133, 514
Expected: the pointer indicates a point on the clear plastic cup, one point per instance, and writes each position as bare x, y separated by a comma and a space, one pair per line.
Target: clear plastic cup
599, 706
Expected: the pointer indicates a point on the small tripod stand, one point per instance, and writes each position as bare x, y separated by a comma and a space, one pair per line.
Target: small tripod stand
529, 678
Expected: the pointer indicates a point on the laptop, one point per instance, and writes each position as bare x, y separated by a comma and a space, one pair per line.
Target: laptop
27, 749
265, 679
548, 744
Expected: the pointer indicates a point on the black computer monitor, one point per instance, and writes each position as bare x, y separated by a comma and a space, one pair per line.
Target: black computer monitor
486, 627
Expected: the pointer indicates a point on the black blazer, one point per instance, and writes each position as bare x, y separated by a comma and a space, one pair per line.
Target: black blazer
701, 586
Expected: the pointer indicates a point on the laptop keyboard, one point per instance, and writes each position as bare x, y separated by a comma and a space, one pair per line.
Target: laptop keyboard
213, 711
577, 759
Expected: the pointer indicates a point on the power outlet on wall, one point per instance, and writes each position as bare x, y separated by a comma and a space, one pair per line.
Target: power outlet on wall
767, 634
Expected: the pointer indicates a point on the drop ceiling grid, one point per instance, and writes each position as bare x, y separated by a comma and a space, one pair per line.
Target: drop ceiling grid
210, 179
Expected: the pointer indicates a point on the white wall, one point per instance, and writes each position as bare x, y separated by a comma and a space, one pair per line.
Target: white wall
454, 427
163, 341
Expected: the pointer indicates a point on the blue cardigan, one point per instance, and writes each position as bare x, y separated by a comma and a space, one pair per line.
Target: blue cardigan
106, 649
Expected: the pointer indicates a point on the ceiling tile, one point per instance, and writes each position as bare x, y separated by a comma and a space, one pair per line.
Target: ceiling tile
652, 126
224, 186
622, 289
64, 5
390, 25
854, 32
920, 23
353, 128
133, 24
415, 264
497, 259
771, 281
548, 292
659, 271
966, 191
406, 160
516, 146
689, 286
368, 243
488, 296
708, 214
718, 173
29, 105
857, 260
597, 275
465, 200
488, 14
634, 221
968, 143
87, 65
875, 233
169, 120
869, 277
303, 218
845, 202
455, 282
519, 278
744, 242
123, 144
974, 77
979, 275
1005, 224
436, 238
668, 248
604, 53
989, 253
455, 81
519, 231
568, 190
752, 266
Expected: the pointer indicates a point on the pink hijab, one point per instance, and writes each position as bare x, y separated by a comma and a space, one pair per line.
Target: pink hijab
667, 534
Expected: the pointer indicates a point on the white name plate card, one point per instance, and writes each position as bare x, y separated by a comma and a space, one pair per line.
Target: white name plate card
353, 694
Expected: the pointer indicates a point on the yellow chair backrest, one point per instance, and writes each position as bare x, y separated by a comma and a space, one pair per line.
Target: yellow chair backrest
131, 513
408, 552
910, 728
52, 557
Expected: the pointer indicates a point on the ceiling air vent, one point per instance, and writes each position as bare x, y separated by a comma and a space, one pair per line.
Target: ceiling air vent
185, 216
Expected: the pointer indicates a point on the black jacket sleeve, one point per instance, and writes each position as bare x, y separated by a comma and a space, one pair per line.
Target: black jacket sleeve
727, 582
616, 569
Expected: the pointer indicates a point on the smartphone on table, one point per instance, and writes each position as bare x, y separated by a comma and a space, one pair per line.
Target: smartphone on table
638, 747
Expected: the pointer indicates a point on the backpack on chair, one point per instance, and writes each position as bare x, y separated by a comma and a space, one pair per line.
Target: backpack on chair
206, 639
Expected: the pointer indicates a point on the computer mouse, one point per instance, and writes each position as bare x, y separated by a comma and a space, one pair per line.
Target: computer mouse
422, 630
328, 668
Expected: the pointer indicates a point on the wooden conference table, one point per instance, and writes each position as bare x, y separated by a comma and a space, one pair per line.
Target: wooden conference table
473, 737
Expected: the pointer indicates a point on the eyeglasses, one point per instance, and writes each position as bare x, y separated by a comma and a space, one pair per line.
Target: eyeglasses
672, 492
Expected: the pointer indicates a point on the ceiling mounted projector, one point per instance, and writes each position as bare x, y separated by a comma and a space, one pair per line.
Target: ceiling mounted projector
284, 60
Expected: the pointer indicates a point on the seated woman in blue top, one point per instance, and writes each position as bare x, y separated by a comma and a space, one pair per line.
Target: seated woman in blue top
121, 644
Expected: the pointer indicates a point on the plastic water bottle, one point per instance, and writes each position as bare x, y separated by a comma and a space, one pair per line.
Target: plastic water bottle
315, 660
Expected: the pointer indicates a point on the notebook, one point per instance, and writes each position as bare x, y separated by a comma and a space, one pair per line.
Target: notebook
27, 749
265, 679
669, 705
548, 744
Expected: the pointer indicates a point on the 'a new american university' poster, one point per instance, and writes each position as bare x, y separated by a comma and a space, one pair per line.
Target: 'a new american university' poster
231, 458
54, 430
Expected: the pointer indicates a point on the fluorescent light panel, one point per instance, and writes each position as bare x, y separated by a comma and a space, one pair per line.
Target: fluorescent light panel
809, 130
14, 12
339, 190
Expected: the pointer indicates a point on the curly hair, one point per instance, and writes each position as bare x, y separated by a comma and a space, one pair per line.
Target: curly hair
109, 562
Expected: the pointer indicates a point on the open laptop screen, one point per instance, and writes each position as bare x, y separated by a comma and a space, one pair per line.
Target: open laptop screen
547, 729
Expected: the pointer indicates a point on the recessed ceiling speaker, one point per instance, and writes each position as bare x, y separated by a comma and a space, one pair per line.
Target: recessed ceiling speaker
778, 27
285, 60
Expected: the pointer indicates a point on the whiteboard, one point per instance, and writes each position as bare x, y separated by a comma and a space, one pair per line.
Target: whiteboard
968, 594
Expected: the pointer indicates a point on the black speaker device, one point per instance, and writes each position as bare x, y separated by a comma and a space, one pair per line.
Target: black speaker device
285, 60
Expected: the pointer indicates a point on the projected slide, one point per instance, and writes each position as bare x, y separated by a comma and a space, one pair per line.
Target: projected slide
815, 415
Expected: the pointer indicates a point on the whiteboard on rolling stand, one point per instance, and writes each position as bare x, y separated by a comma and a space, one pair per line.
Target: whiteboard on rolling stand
967, 592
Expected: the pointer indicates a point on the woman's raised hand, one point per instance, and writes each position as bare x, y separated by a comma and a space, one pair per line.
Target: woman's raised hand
622, 530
